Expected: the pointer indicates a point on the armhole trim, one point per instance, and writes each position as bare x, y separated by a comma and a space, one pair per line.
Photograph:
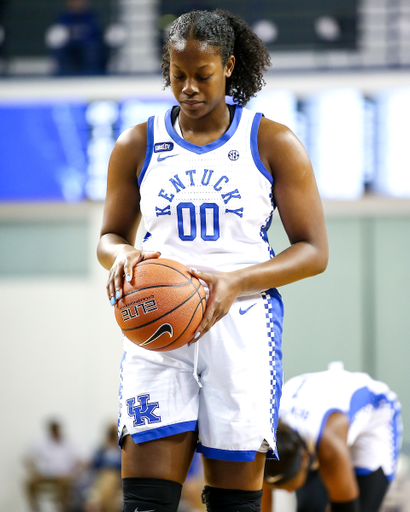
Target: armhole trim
323, 424
150, 147
255, 149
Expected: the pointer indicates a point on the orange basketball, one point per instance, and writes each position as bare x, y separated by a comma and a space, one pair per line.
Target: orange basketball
161, 306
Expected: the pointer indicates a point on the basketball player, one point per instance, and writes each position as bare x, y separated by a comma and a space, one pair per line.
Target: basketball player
206, 177
338, 439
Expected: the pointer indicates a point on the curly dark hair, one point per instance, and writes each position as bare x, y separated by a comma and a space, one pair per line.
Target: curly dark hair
232, 36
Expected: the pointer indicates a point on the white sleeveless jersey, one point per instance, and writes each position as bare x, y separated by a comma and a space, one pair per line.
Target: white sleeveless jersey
374, 434
210, 206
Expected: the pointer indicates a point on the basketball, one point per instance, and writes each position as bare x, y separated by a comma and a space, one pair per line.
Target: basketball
161, 306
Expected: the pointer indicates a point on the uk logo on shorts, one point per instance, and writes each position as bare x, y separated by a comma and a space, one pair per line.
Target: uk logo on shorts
233, 155
143, 412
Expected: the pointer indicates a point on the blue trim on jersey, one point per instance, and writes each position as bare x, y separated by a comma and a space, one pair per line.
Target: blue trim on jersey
264, 235
235, 455
255, 150
200, 150
146, 237
150, 147
362, 397
397, 435
274, 326
324, 420
120, 389
362, 471
167, 430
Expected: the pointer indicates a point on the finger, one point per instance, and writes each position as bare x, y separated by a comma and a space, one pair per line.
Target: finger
111, 288
129, 270
195, 339
199, 274
199, 334
130, 264
206, 323
118, 281
150, 255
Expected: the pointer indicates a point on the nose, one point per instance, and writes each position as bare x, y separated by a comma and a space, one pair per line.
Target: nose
190, 87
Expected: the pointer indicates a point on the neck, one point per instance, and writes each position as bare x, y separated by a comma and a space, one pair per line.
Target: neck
216, 121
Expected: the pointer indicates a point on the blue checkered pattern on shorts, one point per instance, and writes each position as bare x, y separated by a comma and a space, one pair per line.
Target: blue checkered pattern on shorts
271, 340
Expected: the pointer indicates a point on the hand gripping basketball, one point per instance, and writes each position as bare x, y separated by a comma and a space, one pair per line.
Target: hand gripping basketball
161, 306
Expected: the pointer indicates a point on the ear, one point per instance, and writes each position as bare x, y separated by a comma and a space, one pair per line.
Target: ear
229, 66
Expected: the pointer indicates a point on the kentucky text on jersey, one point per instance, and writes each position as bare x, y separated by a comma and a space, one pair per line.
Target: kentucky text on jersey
197, 200
203, 178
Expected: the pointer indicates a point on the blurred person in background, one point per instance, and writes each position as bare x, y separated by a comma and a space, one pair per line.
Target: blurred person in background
3, 5
339, 438
167, 18
77, 42
105, 491
52, 463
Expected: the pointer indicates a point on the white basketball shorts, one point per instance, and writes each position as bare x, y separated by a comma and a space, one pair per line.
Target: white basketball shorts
239, 365
375, 437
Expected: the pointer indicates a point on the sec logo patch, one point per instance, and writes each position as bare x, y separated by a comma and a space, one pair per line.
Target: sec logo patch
233, 155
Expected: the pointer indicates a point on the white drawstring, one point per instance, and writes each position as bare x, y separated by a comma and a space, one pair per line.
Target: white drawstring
195, 374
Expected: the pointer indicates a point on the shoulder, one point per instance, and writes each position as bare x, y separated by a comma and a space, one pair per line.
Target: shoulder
281, 151
274, 137
133, 137
131, 146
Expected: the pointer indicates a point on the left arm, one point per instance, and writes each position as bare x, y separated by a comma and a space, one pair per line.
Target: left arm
335, 466
301, 212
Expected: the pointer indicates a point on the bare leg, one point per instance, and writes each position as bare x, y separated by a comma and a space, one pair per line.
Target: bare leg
245, 476
168, 458
64, 488
32, 487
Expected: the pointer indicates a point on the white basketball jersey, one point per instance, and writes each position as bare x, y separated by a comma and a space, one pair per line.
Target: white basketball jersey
374, 434
207, 206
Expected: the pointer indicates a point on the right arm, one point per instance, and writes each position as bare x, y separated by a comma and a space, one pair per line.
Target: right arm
116, 251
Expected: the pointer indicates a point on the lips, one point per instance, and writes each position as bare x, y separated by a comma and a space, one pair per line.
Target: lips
192, 104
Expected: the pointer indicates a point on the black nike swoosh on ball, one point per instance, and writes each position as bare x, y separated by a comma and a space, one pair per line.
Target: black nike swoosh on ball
159, 332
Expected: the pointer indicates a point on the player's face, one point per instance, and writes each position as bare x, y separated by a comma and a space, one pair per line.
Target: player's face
198, 77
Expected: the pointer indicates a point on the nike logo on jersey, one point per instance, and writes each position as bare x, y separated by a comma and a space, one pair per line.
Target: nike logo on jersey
136, 510
160, 159
165, 328
243, 311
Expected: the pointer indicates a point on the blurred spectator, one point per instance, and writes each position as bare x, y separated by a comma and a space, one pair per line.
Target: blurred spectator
191, 491
52, 463
167, 18
77, 41
3, 4
105, 491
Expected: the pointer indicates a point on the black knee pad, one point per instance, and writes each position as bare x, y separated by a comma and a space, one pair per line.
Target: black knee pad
231, 500
150, 495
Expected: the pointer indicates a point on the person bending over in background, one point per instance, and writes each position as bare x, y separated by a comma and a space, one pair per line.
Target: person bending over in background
339, 438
